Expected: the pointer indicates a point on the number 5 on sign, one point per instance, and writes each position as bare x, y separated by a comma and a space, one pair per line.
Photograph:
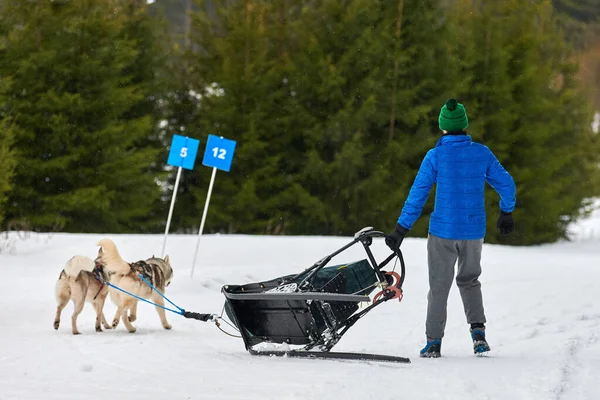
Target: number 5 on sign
218, 155
182, 155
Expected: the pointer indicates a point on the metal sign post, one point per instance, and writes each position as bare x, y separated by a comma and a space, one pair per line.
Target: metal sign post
218, 155
182, 155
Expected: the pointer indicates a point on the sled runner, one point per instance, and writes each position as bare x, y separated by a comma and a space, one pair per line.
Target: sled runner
315, 308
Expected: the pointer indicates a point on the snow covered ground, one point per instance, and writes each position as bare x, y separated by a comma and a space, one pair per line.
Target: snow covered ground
541, 302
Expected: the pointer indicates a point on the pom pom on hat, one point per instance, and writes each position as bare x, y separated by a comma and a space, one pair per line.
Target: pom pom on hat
453, 116
451, 104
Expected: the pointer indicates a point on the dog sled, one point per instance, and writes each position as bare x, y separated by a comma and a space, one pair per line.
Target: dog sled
313, 309
310, 310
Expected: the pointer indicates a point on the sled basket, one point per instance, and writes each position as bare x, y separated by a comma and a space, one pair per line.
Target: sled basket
315, 307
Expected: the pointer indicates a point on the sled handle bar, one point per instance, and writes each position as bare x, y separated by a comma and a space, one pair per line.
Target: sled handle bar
365, 237
402, 266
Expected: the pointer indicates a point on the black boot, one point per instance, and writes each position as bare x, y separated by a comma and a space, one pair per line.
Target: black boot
480, 345
432, 349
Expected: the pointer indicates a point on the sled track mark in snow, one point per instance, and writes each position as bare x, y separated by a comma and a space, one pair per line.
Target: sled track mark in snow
542, 322
594, 318
570, 362
535, 329
567, 367
532, 334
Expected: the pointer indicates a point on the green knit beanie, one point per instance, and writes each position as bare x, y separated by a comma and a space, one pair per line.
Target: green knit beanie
453, 116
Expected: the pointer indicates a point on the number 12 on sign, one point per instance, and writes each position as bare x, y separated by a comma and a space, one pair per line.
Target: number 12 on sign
219, 153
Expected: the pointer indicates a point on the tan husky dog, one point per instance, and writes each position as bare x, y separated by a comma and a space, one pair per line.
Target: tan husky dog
79, 283
126, 276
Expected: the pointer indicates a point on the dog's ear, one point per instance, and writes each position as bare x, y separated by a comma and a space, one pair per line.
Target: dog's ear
167, 259
100, 251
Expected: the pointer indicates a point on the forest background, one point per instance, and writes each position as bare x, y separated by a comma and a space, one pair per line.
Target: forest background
333, 104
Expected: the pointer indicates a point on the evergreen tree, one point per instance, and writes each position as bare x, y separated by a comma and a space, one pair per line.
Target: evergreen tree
578, 18
371, 85
7, 160
78, 110
6, 152
180, 109
241, 75
524, 103
148, 72
328, 119
334, 104
581, 10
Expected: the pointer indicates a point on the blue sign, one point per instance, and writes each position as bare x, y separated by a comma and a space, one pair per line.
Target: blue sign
219, 153
183, 152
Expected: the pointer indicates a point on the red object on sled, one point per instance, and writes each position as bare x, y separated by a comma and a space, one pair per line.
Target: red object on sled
392, 291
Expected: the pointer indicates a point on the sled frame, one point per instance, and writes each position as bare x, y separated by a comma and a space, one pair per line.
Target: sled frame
331, 336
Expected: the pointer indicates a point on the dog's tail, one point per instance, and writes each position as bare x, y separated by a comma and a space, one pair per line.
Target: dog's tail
111, 257
77, 264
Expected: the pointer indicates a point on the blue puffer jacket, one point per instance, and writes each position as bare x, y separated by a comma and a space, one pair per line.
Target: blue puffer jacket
460, 168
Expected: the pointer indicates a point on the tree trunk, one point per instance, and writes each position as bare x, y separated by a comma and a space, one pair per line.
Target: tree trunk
396, 69
187, 23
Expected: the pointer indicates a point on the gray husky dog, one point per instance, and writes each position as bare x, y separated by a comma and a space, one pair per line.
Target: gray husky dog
81, 280
126, 276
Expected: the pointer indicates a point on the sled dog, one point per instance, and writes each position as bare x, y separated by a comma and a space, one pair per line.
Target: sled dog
81, 280
157, 271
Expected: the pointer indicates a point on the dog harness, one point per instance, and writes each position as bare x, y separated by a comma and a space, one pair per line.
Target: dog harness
99, 276
143, 268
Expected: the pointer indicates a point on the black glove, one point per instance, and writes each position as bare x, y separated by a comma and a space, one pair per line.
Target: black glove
505, 223
394, 239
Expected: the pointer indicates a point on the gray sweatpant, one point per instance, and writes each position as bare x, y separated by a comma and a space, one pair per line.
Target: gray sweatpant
441, 258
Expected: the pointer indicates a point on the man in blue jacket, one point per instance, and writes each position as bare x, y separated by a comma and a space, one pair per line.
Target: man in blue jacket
460, 168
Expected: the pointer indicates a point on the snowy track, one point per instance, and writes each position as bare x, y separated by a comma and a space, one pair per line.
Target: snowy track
541, 303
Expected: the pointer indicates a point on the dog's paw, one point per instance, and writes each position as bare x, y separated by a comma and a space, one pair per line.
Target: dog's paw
76, 333
56, 324
98, 328
167, 326
107, 326
115, 323
132, 330
132, 318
